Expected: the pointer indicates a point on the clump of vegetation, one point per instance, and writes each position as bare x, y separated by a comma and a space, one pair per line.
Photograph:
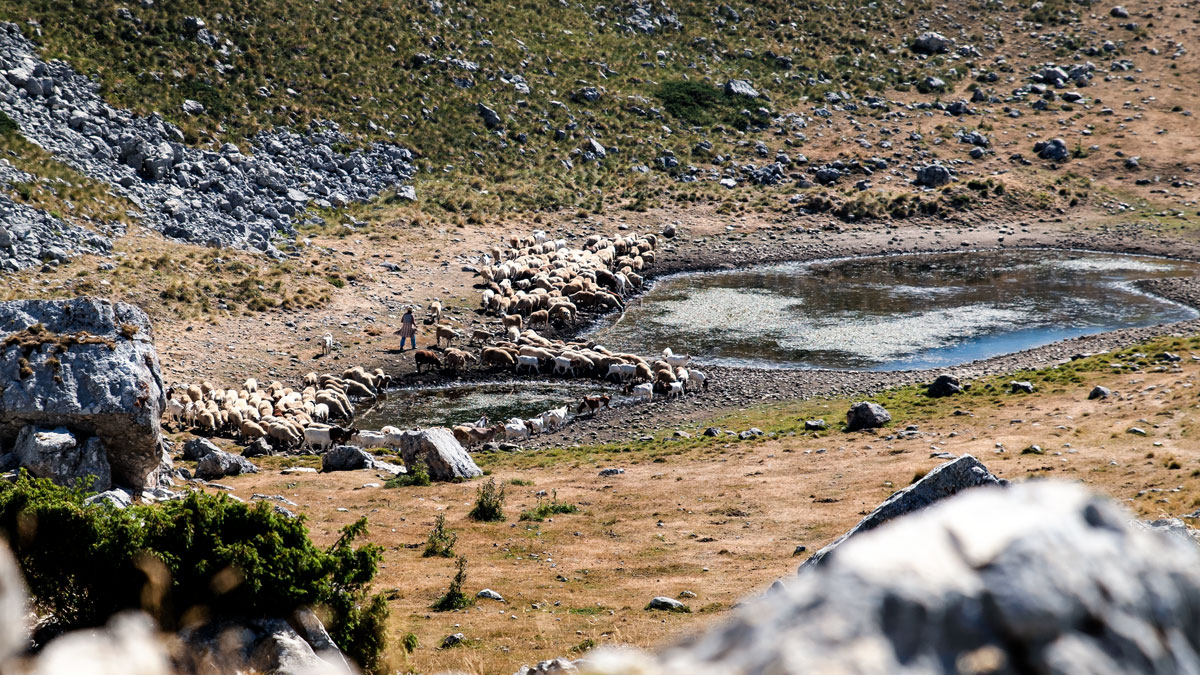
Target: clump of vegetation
208, 553
440, 543
7, 124
489, 503
454, 597
545, 509
417, 475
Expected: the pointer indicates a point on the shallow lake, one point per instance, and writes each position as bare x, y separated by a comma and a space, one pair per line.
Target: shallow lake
893, 312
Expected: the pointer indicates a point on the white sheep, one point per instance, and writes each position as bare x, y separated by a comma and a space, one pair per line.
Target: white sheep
326, 344
675, 390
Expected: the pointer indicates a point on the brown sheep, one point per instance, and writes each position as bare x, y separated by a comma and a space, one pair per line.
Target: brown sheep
425, 357
494, 356
513, 321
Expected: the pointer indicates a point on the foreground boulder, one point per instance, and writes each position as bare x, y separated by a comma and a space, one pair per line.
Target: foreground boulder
440, 451
944, 481
89, 366
866, 415
1043, 577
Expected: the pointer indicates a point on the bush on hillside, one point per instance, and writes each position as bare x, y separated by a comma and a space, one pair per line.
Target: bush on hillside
85, 563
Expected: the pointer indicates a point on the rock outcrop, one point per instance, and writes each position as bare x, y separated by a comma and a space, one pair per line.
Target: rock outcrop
1041, 577
943, 481
437, 448
866, 415
89, 366
223, 197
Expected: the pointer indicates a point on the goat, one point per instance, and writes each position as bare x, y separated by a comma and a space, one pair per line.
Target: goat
592, 404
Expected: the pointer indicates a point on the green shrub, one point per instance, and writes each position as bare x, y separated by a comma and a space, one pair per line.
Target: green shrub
692, 102
7, 125
545, 509
417, 475
454, 597
489, 503
440, 543
207, 553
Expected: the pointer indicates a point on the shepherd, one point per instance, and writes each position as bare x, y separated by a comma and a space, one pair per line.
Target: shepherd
408, 329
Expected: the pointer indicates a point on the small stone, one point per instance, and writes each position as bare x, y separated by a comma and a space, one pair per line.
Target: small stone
666, 604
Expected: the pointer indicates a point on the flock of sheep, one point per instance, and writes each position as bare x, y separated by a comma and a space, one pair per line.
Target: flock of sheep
288, 418
529, 284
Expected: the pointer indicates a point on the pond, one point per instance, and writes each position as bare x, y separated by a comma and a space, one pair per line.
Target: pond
893, 312
464, 404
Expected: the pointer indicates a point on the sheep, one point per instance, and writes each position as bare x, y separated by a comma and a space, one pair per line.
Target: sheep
697, 378
676, 389
251, 385
513, 333
359, 390
564, 313
326, 344
494, 356
540, 318
310, 379
457, 359
513, 321
469, 435
175, 412
446, 333
425, 357
536, 425
250, 431
382, 379
480, 337
320, 412
435, 311
368, 439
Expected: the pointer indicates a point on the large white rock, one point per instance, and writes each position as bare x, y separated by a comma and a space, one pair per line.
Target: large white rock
88, 365
1042, 577
440, 451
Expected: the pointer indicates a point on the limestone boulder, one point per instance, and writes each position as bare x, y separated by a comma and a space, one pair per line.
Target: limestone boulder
90, 366
943, 481
440, 452
1041, 577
